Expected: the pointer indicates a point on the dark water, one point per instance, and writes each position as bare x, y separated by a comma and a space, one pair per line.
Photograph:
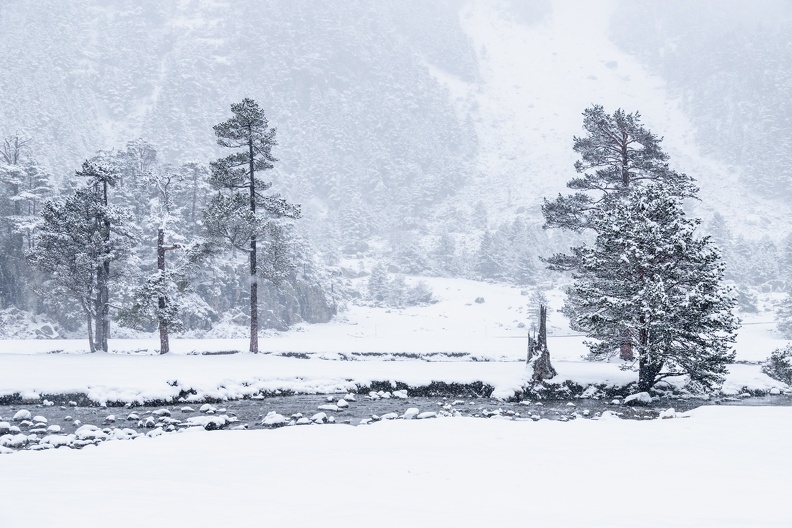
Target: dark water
248, 414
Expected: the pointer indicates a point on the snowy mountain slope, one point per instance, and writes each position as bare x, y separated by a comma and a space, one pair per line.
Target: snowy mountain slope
536, 81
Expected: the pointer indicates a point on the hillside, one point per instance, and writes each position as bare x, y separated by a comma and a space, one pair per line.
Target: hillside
417, 134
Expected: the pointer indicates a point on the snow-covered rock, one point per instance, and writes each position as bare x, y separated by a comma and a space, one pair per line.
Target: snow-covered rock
133, 417
5, 427
350, 397
342, 403
671, 413
54, 428
303, 421
400, 394
273, 419
187, 409
389, 416
124, 434
207, 408
328, 407
90, 432
410, 413
319, 417
22, 414
110, 418
16, 441
210, 423
155, 432
640, 397
427, 414
161, 412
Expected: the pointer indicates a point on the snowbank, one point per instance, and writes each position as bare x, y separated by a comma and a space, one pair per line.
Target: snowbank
719, 467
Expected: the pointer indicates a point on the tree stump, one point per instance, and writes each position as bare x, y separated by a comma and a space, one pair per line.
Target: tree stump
538, 354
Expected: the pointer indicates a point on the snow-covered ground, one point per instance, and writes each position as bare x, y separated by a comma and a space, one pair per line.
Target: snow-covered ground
456, 340
719, 467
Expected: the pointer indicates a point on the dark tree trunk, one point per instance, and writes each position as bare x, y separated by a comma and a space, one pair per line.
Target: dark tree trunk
161, 301
254, 348
103, 284
648, 369
98, 303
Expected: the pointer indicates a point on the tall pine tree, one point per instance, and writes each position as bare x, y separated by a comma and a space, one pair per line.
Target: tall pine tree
617, 154
241, 213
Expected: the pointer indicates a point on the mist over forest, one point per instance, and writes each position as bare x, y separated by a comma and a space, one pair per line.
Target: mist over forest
418, 137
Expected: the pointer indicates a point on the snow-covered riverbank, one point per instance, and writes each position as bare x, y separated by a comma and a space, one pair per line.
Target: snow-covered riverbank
720, 467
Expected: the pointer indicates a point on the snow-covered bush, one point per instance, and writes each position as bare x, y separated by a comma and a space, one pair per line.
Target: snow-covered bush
779, 365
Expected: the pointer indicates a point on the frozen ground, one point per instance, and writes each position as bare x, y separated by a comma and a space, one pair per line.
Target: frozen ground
720, 467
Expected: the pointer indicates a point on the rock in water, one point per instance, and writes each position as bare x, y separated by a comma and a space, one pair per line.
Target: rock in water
274, 419
642, 398
410, 413
22, 414
319, 418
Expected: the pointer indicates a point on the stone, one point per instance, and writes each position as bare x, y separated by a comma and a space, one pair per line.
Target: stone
22, 414
411, 413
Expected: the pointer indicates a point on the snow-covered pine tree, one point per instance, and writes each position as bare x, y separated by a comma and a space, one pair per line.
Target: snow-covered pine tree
78, 238
158, 298
648, 278
24, 185
101, 178
240, 213
379, 284
616, 154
